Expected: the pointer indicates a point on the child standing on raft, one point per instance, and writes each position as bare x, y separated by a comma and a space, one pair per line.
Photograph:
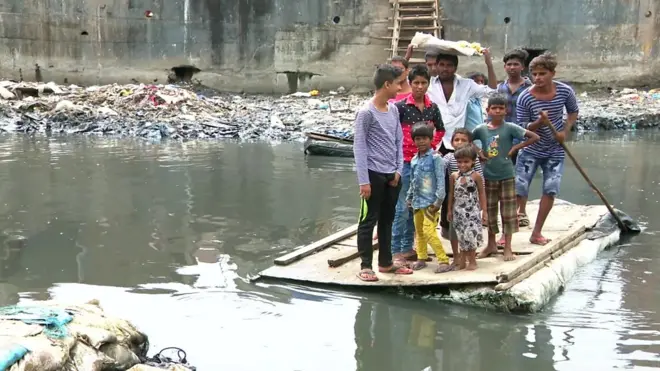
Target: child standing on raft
378, 152
498, 137
427, 191
467, 206
461, 137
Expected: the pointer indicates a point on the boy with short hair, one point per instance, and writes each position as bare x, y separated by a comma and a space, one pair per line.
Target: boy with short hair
497, 137
378, 151
425, 196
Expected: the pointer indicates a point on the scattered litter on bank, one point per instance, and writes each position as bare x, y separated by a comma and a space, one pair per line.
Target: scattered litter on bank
183, 112
50, 336
626, 109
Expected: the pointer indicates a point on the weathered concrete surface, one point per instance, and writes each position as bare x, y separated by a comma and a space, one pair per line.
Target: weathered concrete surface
247, 45
238, 44
596, 41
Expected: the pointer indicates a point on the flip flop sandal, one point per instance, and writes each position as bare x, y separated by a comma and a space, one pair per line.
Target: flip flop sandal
367, 275
410, 256
401, 262
523, 220
444, 268
396, 269
420, 264
500, 243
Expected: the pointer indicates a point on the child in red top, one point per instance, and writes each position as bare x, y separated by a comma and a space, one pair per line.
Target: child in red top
415, 108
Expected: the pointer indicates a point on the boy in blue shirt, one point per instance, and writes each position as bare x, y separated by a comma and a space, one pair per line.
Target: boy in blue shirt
425, 196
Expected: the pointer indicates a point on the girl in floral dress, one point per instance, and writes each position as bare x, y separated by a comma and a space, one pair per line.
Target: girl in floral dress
467, 206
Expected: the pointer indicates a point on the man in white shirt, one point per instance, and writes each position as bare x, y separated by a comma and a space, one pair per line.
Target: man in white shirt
452, 93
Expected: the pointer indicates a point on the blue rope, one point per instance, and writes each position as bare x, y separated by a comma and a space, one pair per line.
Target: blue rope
53, 320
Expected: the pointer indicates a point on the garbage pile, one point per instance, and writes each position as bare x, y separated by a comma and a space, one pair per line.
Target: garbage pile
182, 112
626, 109
169, 111
50, 336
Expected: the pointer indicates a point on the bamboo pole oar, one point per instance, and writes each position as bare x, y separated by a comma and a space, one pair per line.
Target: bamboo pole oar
591, 184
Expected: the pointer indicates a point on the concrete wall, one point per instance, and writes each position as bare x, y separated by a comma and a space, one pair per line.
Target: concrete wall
595, 40
238, 44
247, 45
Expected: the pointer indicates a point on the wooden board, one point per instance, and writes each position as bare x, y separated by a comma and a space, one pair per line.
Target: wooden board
316, 246
563, 221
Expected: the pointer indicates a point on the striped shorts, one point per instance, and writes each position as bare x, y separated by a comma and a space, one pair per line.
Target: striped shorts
502, 193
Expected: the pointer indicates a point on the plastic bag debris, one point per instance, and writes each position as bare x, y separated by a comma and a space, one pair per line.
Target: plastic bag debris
92, 341
624, 109
178, 112
170, 111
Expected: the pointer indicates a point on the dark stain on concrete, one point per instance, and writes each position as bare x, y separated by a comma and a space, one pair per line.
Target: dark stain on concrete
245, 22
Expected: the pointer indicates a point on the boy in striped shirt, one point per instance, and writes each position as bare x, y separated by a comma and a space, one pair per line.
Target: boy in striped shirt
537, 108
378, 151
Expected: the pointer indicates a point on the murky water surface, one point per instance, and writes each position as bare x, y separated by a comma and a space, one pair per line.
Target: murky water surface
138, 226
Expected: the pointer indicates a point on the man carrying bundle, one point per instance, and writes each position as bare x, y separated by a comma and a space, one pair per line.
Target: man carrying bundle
452, 94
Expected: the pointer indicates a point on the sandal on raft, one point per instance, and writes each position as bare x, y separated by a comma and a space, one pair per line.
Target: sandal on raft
367, 275
420, 264
523, 220
444, 268
396, 269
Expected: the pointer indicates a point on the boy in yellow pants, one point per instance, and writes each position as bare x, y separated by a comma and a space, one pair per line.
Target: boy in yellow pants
425, 196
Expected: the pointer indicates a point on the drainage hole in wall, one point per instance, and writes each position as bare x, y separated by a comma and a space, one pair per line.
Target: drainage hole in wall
507, 20
84, 33
336, 19
648, 13
183, 73
531, 54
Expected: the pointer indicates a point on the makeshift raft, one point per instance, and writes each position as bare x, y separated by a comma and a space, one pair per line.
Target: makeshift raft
51, 336
526, 284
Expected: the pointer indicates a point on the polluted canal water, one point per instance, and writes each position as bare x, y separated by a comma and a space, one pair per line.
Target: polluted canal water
168, 234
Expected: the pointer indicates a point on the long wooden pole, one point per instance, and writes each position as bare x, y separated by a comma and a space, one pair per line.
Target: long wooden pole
591, 184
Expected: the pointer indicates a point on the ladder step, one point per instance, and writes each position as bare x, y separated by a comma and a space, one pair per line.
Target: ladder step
416, 9
401, 38
406, 2
416, 18
415, 28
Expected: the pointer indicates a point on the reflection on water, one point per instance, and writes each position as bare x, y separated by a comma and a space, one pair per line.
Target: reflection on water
395, 334
168, 236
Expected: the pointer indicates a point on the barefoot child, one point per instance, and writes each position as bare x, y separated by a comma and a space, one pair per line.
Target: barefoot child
498, 137
378, 152
467, 206
460, 138
427, 190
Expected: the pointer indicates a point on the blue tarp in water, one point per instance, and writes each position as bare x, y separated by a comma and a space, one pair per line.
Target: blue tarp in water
10, 354
53, 320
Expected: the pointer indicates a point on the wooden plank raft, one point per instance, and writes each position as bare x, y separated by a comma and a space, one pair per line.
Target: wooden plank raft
334, 260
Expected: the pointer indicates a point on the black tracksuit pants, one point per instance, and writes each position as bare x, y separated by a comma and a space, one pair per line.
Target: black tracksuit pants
378, 209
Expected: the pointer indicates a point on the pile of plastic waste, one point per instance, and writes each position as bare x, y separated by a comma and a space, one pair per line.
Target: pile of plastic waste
50, 336
625, 109
169, 111
186, 112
